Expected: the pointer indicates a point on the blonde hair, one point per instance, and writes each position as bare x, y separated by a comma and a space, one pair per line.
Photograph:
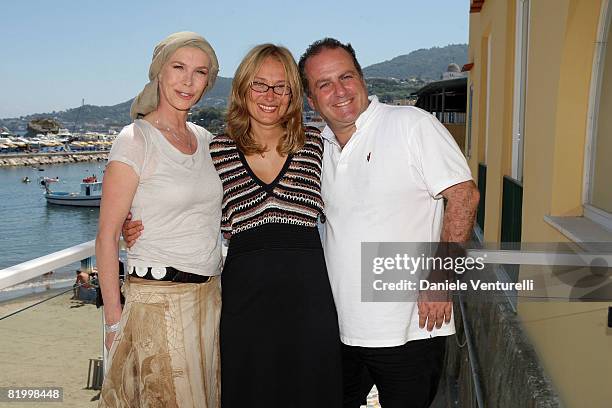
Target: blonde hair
238, 119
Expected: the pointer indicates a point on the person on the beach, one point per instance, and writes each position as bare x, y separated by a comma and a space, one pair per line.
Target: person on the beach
386, 170
279, 328
164, 349
82, 280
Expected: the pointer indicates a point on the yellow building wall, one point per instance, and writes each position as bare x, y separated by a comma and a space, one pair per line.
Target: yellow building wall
572, 106
484, 83
475, 55
602, 197
546, 41
488, 144
510, 27
572, 340
457, 131
575, 348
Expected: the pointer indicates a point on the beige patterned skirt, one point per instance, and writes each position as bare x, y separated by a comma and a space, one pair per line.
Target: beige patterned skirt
166, 353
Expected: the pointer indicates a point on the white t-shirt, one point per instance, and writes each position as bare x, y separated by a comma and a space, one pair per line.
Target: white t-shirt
384, 186
178, 200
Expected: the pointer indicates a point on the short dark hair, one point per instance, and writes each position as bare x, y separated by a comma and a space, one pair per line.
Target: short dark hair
316, 48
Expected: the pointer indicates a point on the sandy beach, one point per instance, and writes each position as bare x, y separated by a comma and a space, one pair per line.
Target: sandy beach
50, 345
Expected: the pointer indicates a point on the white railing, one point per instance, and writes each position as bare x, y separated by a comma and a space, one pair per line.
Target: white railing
541, 258
36, 267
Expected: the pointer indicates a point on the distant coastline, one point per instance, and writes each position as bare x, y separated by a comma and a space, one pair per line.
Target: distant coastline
36, 159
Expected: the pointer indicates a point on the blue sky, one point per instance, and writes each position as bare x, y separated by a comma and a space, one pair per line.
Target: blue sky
54, 53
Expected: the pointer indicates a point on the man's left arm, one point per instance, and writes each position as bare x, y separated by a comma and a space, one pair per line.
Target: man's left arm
460, 212
459, 215
445, 172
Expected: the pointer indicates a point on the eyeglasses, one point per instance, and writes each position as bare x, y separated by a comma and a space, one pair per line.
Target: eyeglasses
277, 89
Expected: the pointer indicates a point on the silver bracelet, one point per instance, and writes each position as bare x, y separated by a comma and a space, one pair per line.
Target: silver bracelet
111, 328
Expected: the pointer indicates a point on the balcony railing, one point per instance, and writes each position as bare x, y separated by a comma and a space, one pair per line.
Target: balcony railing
37, 267
36, 338
51, 340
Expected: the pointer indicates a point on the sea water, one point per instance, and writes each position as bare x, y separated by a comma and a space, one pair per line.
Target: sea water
30, 228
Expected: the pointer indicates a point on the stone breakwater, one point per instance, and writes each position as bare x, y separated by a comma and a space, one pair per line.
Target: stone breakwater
36, 159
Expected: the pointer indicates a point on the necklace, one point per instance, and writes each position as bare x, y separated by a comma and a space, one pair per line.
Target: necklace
169, 130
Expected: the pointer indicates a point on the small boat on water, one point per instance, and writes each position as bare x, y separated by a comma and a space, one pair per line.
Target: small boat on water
89, 196
26, 179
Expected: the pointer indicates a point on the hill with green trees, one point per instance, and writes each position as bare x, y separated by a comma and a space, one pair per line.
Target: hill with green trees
425, 64
390, 80
119, 115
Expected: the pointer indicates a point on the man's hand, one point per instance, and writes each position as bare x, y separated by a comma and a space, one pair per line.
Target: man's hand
131, 230
434, 313
435, 307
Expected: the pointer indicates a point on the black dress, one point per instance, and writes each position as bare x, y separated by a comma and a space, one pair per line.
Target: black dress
280, 345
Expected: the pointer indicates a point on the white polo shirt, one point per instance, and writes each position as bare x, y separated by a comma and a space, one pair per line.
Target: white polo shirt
384, 186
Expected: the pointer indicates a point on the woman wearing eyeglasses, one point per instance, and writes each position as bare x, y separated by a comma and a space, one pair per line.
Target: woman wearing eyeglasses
279, 331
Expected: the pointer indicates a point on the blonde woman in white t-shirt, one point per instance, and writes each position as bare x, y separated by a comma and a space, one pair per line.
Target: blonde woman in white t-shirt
163, 344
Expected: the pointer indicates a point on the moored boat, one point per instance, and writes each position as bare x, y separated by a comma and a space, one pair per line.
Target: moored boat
89, 196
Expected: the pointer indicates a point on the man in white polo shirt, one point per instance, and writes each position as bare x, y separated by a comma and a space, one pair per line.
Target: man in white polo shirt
386, 170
